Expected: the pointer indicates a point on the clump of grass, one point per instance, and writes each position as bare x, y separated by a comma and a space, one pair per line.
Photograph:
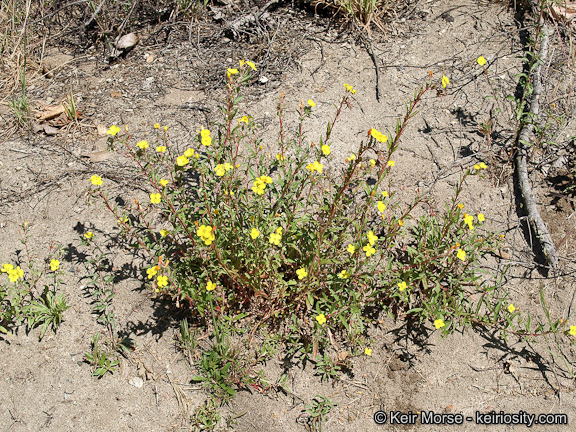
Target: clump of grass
363, 12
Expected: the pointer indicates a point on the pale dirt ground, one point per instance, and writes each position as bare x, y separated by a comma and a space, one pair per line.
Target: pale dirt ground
46, 385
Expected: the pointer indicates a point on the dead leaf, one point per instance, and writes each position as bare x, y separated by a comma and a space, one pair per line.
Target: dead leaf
127, 42
50, 130
342, 355
98, 156
102, 130
150, 58
37, 127
564, 13
115, 95
53, 112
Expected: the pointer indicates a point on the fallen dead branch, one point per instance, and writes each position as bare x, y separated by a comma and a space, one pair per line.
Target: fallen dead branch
543, 238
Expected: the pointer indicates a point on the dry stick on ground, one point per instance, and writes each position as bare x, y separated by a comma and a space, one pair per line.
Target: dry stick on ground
534, 219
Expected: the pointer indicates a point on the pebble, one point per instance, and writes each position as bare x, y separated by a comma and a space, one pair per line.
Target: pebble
136, 382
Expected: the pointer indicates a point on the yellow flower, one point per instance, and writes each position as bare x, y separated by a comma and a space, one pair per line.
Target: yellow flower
368, 351
372, 238
302, 273
113, 130
244, 119
165, 128
511, 308
483, 165
156, 125
204, 132
369, 250
460, 206
259, 186
161, 149
350, 88
461, 254
7, 268
206, 141
96, 180
266, 179
164, 182
152, 272
89, 235
401, 286
321, 319
210, 286
279, 230
400, 222
385, 194
280, 157
572, 330
275, 238
445, 81
252, 65
162, 281
481, 217
255, 233
351, 248
391, 163
155, 198
381, 206
481, 61
189, 153
344, 274
220, 171
164, 232
54, 265
476, 167
15, 274
439, 323
380, 137
231, 72
316, 166
311, 103
206, 234
143, 145
182, 161
325, 150
372, 162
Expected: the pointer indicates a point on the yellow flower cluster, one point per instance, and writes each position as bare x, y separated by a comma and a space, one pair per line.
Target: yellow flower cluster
316, 166
378, 136
481, 165
143, 145
206, 234
222, 169
468, 219
113, 130
302, 273
439, 323
260, 184
96, 180
344, 274
206, 138
276, 237
13, 273
445, 81
350, 88
249, 63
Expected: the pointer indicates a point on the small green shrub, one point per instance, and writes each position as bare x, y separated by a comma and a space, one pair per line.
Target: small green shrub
21, 298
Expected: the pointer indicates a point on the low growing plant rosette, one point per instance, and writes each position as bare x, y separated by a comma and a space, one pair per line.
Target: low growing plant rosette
277, 236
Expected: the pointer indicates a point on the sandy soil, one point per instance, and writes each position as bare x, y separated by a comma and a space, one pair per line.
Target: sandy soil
46, 385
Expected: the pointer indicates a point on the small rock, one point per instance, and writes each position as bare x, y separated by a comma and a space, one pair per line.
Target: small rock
136, 382
127, 42
263, 80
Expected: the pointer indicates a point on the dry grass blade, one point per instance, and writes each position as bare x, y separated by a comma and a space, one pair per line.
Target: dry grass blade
363, 12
